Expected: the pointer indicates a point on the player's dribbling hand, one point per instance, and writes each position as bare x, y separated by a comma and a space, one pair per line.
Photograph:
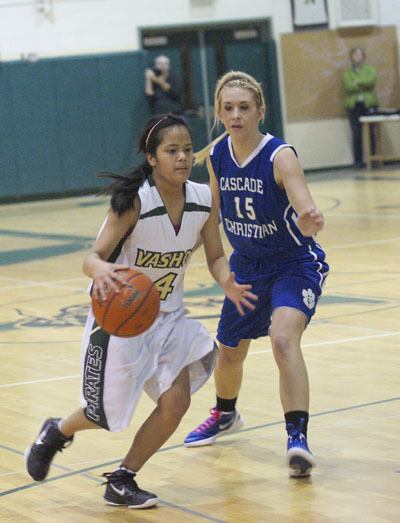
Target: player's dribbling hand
239, 294
310, 221
105, 277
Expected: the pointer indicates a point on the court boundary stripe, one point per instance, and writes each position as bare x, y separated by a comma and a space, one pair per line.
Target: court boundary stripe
181, 445
334, 342
325, 413
255, 353
55, 465
72, 473
191, 511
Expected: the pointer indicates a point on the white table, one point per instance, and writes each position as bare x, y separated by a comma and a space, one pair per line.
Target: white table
377, 120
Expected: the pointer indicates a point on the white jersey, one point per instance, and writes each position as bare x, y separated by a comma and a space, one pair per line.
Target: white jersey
154, 248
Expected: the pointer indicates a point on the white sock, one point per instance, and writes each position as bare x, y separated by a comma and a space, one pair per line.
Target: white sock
59, 427
62, 433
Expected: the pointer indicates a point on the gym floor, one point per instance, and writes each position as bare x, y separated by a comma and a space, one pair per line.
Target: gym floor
350, 347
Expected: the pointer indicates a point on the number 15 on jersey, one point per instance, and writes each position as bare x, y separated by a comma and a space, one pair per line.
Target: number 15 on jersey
246, 206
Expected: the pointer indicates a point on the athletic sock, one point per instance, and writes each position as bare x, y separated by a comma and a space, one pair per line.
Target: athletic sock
61, 432
123, 467
226, 406
294, 417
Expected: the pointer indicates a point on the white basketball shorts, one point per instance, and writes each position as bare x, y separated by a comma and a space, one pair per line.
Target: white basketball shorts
116, 370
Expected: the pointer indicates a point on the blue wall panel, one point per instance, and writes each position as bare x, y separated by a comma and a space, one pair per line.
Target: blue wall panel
9, 175
64, 120
259, 61
35, 127
125, 108
79, 121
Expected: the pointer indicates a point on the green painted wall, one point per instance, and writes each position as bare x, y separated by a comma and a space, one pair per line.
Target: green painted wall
63, 120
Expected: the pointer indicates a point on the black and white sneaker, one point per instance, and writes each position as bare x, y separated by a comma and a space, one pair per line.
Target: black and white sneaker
40, 454
123, 490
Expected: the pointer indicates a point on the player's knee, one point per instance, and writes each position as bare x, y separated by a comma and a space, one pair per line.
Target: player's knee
230, 357
175, 407
182, 405
282, 347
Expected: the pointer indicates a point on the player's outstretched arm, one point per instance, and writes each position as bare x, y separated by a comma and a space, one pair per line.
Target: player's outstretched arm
290, 177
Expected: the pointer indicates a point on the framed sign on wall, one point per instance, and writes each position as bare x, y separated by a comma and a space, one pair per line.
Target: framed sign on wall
309, 14
356, 13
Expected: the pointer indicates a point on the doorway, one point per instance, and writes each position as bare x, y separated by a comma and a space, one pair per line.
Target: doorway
201, 54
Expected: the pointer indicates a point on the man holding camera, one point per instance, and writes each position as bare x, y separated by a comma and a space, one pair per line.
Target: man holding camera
162, 88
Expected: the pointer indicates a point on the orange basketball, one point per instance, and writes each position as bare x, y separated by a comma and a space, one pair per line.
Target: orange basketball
132, 310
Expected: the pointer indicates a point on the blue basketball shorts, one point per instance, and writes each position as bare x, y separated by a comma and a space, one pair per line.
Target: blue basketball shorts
288, 282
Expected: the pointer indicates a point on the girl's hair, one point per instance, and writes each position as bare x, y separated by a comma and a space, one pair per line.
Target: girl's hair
125, 186
353, 50
231, 79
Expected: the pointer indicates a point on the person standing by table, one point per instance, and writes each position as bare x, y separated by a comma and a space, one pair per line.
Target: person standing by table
359, 83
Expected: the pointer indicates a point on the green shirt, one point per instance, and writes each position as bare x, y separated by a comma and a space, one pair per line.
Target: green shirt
359, 86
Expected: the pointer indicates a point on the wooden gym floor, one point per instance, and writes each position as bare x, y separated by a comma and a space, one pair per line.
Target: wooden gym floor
351, 349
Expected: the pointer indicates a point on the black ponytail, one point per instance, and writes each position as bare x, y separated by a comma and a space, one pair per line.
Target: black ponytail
125, 186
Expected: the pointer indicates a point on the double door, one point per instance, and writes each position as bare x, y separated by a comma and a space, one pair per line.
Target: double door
201, 55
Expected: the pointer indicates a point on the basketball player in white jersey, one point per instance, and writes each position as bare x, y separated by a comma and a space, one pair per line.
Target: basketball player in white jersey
157, 218
270, 219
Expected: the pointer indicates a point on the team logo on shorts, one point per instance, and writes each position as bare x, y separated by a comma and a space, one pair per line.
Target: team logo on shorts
309, 298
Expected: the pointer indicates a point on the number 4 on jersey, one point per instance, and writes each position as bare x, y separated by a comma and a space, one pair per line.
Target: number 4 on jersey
248, 206
165, 285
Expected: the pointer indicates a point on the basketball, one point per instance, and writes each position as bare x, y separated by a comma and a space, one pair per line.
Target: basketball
132, 310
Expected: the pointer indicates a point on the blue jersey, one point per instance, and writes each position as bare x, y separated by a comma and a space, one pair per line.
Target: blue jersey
257, 216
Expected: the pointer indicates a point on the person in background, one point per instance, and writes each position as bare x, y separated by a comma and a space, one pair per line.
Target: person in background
359, 83
163, 88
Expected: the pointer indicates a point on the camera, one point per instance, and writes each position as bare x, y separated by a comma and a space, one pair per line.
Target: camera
157, 71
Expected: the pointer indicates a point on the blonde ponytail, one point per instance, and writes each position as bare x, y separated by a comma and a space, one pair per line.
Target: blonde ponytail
201, 156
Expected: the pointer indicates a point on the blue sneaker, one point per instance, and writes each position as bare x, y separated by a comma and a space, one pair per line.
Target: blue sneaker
216, 425
299, 458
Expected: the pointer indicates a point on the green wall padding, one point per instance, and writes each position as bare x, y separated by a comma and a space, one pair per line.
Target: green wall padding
35, 127
260, 61
9, 179
63, 120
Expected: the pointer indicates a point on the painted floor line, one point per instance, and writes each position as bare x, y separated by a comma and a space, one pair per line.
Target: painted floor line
174, 447
342, 326
44, 380
363, 297
305, 345
382, 216
46, 285
334, 342
192, 512
363, 244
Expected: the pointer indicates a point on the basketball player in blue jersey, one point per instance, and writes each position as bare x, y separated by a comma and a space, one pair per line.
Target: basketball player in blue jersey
157, 218
270, 220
